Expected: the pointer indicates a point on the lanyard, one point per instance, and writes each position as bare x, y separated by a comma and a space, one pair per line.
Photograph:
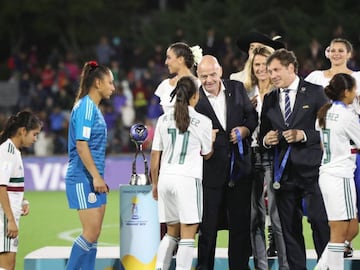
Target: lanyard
279, 170
241, 153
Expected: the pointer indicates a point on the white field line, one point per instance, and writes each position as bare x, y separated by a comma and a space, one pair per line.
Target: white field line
69, 235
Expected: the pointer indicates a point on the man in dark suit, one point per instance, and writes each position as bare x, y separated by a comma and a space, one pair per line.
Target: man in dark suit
287, 130
226, 180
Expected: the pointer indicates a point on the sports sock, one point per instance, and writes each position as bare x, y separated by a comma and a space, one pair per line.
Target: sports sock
165, 252
89, 261
184, 255
79, 252
336, 256
321, 264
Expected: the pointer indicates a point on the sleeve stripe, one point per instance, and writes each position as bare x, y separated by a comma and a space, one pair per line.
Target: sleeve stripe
89, 110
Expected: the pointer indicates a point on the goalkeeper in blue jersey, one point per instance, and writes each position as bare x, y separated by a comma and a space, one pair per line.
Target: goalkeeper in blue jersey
86, 189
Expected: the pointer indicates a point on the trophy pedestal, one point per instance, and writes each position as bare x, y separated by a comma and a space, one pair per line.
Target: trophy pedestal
139, 228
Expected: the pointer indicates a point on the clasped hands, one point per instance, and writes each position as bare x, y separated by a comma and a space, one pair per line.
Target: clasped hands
291, 136
244, 132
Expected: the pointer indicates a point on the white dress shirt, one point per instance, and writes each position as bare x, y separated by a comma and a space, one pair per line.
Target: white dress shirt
292, 95
219, 104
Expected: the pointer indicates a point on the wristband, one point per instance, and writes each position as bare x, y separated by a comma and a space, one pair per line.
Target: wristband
25, 202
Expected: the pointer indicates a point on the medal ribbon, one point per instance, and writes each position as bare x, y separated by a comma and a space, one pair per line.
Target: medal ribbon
241, 153
279, 170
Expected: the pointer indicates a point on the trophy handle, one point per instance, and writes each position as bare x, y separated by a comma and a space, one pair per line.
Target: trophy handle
145, 165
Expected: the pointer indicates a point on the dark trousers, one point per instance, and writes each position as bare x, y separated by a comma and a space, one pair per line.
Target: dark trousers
258, 210
289, 201
226, 207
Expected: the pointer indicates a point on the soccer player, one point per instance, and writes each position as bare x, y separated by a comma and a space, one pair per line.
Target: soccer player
20, 130
180, 60
339, 129
339, 54
86, 189
182, 137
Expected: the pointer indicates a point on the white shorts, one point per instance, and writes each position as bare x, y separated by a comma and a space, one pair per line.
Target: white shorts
10, 244
179, 199
339, 196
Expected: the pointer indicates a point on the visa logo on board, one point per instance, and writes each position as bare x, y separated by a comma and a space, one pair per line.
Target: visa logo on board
50, 176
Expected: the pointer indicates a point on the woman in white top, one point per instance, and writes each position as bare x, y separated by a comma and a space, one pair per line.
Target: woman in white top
180, 59
339, 129
339, 53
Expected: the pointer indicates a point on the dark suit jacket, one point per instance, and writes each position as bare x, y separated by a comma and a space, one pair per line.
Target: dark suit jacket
239, 112
305, 157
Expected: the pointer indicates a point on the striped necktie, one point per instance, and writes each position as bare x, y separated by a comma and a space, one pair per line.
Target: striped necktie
287, 110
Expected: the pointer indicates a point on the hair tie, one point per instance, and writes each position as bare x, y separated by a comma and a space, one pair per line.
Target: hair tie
93, 64
179, 99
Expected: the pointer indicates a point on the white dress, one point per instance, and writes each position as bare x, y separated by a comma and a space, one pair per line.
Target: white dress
238, 76
164, 90
318, 77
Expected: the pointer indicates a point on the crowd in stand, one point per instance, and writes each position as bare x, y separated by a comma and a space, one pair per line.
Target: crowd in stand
48, 86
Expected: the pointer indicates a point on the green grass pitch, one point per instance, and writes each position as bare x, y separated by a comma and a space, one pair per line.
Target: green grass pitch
50, 218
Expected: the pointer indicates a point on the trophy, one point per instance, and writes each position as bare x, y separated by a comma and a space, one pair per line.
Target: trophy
138, 134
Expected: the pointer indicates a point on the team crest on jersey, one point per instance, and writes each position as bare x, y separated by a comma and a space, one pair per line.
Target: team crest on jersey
92, 197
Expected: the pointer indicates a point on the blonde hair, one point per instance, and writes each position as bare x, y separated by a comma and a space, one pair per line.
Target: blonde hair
250, 79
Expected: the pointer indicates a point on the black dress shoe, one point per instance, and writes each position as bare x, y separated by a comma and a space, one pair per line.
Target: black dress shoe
271, 252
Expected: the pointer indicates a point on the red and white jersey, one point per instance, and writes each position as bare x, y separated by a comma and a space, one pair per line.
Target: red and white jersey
340, 139
182, 152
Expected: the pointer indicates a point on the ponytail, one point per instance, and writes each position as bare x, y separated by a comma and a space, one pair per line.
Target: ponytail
91, 71
184, 90
336, 92
321, 115
24, 119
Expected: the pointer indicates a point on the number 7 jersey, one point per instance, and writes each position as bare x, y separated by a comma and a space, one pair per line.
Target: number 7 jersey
182, 152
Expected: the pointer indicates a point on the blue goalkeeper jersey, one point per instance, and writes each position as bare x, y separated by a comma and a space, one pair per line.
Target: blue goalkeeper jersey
86, 124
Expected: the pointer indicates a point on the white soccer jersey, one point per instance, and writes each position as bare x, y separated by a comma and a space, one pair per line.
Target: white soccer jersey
11, 175
181, 153
11, 167
341, 135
